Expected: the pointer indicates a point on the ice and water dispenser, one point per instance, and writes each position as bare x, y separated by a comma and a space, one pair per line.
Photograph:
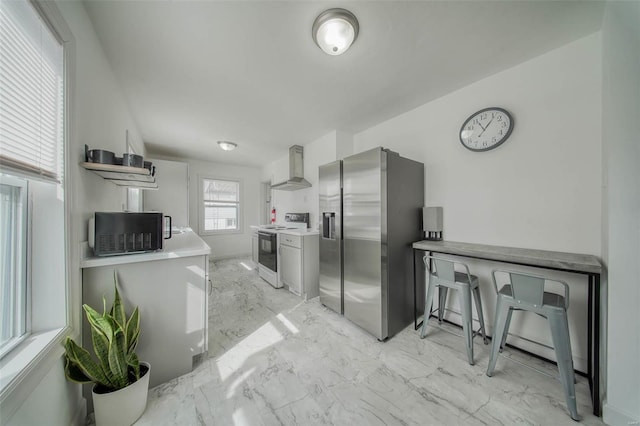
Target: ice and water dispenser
329, 225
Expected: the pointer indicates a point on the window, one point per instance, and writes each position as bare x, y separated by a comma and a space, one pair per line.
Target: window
35, 46
33, 296
220, 206
13, 262
31, 147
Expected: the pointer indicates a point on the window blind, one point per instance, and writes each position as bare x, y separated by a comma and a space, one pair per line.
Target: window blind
221, 202
31, 93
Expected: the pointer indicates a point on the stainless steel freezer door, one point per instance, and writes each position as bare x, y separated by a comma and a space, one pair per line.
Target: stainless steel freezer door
364, 292
330, 196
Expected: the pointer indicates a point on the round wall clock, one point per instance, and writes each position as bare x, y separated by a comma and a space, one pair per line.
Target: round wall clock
486, 129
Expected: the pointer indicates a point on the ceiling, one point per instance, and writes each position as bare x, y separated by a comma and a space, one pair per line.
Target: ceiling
195, 72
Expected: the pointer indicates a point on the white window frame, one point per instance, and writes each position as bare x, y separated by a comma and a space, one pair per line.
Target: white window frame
25, 286
29, 362
201, 228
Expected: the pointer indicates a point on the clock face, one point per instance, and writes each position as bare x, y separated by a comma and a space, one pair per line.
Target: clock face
486, 129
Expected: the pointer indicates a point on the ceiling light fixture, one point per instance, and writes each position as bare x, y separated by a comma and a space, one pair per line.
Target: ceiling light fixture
334, 30
227, 146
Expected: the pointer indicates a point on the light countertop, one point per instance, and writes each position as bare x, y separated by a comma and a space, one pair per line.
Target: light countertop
575, 262
184, 244
301, 232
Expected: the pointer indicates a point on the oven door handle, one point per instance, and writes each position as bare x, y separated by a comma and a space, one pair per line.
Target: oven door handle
265, 234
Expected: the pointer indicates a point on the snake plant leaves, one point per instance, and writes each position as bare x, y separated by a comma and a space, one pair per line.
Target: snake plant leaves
117, 309
81, 360
74, 373
114, 339
117, 358
134, 363
100, 347
100, 323
133, 330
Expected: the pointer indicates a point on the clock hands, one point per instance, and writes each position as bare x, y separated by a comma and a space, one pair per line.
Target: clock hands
485, 128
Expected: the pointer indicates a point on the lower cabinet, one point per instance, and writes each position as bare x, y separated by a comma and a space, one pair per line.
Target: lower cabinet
299, 263
172, 297
291, 268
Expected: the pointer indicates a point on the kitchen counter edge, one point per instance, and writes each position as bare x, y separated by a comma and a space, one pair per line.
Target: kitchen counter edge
300, 232
186, 244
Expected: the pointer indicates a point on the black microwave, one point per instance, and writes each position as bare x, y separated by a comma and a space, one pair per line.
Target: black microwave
112, 233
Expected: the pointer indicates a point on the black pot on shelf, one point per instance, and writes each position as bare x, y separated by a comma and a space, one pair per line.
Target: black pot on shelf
132, 160
99, 156
149, 166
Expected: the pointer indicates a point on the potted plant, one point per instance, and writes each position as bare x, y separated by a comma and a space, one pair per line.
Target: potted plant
121, 380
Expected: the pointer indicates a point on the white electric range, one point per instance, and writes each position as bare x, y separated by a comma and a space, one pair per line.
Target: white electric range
268, 245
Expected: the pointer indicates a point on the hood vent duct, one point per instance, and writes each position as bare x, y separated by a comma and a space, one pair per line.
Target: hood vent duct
296, 172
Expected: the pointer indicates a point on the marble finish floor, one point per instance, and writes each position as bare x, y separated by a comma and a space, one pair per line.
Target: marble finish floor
275, 359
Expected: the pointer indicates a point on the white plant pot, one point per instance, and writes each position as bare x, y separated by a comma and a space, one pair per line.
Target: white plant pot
122, 407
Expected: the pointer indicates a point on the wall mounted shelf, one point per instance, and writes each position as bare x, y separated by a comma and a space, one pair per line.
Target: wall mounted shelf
133, 177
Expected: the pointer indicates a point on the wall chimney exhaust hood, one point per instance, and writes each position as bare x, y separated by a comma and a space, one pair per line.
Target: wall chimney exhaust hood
296, 172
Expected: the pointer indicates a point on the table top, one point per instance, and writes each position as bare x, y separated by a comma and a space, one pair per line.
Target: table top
573, 262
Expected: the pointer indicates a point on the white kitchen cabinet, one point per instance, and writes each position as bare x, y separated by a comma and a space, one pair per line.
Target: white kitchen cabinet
299, 262
170, 288
172, 299
291, 268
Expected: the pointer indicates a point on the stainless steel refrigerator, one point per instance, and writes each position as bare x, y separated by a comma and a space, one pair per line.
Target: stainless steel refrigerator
370, 211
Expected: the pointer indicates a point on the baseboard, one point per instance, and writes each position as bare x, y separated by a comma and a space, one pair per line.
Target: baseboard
616, 417
80, 418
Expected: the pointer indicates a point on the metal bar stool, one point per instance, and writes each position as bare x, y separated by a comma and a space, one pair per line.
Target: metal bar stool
526, 292
442, 274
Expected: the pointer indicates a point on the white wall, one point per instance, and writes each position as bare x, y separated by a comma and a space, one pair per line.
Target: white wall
226, 245
172, 195
541, 189
621, 140
316, 153
100, 118
56, 401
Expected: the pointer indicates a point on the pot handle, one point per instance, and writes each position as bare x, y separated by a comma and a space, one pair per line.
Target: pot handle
169, 237
86, 153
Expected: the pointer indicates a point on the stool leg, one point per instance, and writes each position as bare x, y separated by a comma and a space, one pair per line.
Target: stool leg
478, 300
442, 301
503, 341
562, 344
467, 321
427, 307
499, 329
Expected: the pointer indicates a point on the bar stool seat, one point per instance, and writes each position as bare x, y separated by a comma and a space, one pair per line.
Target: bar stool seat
526, 292
441, 274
